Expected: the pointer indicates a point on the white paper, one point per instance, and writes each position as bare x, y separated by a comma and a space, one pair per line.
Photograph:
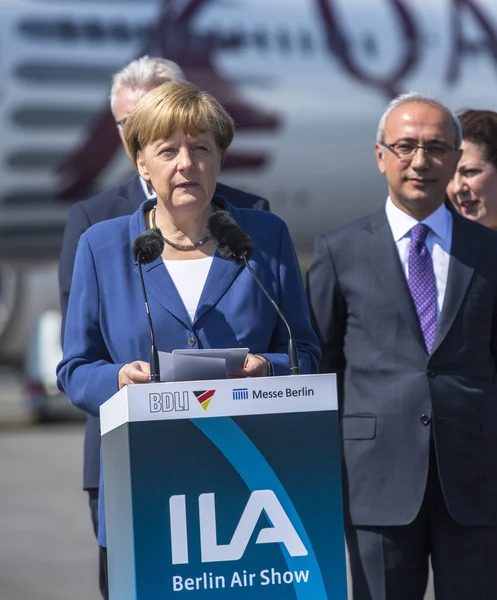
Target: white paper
235, 357
191, 366
166, 366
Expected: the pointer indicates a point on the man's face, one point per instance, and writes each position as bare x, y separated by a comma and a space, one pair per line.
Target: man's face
417, 183
125, 101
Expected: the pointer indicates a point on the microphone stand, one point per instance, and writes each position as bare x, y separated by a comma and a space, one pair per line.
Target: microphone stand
154, 356
293, 353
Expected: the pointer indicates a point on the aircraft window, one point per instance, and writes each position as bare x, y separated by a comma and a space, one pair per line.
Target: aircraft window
305, 39
143, 32
120, 32
137, 2
49, 29
67, 30
283, 39
261, 39
35, 160
237, 39
53, 117
92, 31
216, 40
32, 198
65, 74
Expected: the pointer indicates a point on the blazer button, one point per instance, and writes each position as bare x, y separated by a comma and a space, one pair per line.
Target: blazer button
425, 419
192, 341
431, 373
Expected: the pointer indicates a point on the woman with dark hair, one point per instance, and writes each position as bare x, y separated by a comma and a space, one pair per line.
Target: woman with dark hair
473, 189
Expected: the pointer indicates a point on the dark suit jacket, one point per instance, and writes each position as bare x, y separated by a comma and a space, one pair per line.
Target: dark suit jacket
392, 391
117, 202
107, 325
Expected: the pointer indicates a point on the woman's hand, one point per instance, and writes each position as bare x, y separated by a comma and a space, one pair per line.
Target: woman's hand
255, 366
136, 372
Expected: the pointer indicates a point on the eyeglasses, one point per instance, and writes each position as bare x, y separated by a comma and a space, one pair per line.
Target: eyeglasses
120, 124
406, 151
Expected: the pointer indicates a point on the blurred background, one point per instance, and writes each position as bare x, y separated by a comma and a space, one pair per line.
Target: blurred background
306, 81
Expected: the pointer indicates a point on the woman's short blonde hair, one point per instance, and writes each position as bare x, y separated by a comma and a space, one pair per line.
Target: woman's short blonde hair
172, 106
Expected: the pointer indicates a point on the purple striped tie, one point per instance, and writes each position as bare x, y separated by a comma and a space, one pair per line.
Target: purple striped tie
422, 284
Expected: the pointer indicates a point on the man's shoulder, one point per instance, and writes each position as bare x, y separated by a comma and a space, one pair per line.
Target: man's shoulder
241, 199
369, 222
115, 202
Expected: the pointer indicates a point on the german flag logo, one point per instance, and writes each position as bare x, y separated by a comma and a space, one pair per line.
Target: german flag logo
205, 397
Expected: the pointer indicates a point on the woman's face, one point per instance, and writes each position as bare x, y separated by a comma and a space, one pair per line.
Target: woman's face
473, 189
182, 169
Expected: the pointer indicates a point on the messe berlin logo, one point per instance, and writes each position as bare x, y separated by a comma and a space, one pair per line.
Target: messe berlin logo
205, 398
240, 394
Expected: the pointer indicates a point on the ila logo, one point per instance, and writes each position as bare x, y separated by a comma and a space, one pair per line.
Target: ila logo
281, 532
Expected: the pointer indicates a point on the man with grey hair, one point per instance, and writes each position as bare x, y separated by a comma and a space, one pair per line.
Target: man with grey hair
128, 86
405, 305
134, 81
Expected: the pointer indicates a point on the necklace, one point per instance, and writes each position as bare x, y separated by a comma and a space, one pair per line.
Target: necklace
184, 247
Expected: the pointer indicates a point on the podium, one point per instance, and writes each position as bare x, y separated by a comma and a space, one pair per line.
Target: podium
224, 489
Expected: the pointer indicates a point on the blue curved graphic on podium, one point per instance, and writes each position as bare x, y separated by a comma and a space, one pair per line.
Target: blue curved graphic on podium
257, 474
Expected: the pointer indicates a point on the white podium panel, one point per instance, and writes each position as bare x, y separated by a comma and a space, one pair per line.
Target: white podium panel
224, 489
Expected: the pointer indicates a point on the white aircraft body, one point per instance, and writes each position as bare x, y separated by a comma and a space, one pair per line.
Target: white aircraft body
306, 80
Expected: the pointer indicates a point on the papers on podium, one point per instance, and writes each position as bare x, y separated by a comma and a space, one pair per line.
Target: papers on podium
201, 364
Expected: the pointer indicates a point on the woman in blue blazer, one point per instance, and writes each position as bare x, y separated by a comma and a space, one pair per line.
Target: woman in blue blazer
177, 137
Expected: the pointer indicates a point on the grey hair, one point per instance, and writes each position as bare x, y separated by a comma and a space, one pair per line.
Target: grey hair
415, 97
144, 72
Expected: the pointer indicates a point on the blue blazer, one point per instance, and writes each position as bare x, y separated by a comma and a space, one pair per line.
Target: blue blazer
117, 202
106, 324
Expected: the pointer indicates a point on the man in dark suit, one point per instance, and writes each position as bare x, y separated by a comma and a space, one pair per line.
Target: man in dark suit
129, 85
405, 305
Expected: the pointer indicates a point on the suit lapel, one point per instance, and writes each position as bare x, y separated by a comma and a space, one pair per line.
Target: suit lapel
221, 275
465, 250
159, 283
385, 260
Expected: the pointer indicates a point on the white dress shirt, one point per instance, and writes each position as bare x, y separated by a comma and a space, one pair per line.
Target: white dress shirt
438, 241
189, 277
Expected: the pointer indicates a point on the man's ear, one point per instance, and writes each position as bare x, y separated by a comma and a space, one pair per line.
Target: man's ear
380, 157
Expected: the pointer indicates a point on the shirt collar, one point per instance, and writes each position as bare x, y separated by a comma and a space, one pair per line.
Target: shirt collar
401, 223
145, 191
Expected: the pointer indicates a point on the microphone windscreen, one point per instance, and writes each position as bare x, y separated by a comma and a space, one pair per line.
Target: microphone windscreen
148, 246
230, 240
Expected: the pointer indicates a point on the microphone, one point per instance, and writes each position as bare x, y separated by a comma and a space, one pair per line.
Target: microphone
235, 245
147, 247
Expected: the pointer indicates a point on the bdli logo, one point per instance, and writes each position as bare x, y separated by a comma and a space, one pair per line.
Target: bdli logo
205, 397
